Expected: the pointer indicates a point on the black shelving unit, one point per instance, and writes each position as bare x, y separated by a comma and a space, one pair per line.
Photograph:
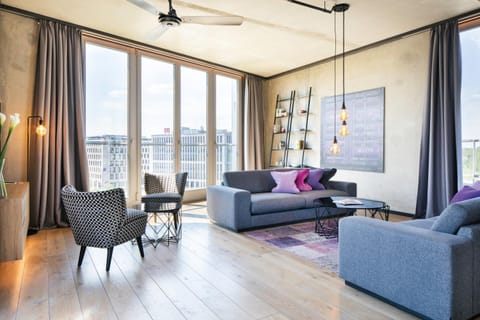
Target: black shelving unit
302, 133
282, 124
282, 132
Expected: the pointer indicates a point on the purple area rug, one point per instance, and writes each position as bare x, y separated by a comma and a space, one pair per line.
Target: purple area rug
301, 240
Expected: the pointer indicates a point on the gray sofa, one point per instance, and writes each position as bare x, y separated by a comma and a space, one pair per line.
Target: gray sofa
430, 267
245, 200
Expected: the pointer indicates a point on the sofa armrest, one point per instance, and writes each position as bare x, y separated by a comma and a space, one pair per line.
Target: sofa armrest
425, 271
229, 207
348, 187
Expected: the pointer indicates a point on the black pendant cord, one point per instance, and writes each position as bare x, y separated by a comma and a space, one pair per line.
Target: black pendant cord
335, 76
343, 60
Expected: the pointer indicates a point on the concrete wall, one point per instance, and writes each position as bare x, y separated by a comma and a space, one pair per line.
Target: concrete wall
18, 50
402, 68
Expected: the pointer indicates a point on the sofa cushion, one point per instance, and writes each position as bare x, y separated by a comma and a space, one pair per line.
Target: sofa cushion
285, 181
273, 202
251, 180
328, 174
302, 185
309, 196
457, 215
314, 177
467, 192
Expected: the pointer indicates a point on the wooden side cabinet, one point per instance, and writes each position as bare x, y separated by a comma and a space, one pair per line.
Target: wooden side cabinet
14, 219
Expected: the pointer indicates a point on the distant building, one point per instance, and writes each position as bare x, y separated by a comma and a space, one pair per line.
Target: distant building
107, 157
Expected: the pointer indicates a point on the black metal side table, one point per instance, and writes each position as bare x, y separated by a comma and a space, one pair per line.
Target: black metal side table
327, 215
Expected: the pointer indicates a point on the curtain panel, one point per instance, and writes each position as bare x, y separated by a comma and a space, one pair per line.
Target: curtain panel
440, 154
253, 144
60, 157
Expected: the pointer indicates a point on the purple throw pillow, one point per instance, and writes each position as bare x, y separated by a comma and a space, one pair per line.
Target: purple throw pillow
314, 177
467, 192
285, 181
300, 180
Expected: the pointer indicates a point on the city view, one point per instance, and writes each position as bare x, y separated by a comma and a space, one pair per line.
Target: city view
107, 157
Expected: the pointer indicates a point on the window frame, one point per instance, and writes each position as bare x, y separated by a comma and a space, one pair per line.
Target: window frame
134, 112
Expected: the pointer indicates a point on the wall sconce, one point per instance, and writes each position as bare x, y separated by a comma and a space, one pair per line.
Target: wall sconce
40, 130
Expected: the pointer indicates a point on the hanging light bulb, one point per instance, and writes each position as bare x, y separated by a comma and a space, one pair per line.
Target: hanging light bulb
344, 129
41, 130
334, 149
343, 113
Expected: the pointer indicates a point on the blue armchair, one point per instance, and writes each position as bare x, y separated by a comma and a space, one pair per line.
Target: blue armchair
428, 267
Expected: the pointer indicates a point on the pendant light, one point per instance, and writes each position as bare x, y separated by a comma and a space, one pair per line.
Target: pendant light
342, 7
334, 149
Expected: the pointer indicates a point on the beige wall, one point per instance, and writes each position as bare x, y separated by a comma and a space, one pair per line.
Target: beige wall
18, 43
401, 67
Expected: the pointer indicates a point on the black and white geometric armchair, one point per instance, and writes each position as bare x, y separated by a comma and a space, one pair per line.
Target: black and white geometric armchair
101, 220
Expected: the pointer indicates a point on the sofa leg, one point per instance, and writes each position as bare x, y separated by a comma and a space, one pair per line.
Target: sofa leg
109, 257
82, 254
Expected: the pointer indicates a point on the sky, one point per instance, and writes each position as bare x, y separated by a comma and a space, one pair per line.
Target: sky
107, 94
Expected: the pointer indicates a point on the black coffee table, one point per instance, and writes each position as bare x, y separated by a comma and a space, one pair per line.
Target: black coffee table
329, 210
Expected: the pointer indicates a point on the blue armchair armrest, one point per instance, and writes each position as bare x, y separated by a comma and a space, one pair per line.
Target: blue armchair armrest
424, 271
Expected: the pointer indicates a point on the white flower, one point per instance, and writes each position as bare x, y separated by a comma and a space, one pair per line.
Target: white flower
14, 120
3, 118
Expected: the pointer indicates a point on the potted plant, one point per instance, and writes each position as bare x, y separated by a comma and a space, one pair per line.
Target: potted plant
14, 121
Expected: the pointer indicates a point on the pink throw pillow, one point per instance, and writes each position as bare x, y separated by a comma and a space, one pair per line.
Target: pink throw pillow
285, 181
300, 180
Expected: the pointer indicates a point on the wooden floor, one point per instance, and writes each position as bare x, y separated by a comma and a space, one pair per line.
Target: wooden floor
211, 274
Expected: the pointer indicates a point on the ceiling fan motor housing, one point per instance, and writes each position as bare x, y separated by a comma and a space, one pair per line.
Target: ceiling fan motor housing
169, 20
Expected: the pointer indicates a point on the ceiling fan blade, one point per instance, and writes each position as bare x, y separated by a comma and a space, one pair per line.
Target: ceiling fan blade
156, 32
145, 6
214, 20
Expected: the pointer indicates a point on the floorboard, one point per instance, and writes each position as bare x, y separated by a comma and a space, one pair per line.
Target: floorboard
212, 273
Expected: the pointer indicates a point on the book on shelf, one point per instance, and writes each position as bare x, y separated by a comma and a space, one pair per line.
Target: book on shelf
348, 201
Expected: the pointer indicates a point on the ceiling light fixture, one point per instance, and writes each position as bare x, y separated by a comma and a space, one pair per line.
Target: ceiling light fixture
342, 7
334, 149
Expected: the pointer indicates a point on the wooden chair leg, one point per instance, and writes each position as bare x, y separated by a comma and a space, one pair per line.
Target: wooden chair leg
109, 257
82, 254
140, 246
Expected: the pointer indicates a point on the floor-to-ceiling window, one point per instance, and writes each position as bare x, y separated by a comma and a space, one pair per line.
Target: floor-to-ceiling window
226, 124
470, 105
193, 134
157, 120
149, 113
106, 116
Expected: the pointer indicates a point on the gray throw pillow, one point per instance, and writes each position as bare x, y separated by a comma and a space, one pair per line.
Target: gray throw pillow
457, 215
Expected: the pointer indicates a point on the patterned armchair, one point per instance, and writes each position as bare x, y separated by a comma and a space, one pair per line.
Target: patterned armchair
164, 198
102, 220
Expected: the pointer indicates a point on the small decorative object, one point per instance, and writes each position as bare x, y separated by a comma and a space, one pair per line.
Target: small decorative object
282, 129
300, 144
302, 111
14, 121
281, 144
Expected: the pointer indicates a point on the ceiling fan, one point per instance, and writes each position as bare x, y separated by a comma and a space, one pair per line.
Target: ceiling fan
171, 19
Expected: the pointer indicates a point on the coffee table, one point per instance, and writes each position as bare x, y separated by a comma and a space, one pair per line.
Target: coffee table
328, 212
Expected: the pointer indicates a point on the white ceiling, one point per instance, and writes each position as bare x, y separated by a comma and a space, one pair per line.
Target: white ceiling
275, 37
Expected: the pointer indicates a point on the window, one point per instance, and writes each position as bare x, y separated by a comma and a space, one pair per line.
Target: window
106, 114
226, 125
157, 117
149, 113
470, 43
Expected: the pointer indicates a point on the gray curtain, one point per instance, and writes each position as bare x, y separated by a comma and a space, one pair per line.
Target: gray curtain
253, 143
60, 157
440, 154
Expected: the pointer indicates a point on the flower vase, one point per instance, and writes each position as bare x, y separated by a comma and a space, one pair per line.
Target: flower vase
3, 186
